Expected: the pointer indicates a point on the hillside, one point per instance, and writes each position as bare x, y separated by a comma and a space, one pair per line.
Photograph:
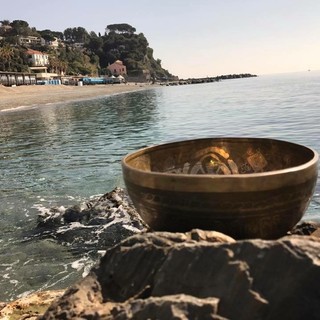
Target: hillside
75, 51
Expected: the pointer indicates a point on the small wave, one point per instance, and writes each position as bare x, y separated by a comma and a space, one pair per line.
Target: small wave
84, 264
18, 108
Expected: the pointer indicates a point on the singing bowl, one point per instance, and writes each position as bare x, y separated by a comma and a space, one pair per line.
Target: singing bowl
243, 187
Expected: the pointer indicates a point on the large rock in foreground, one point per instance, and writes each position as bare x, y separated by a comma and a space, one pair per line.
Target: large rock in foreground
164, 275
29, 307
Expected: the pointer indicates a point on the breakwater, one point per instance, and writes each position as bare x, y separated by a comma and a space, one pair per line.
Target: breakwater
208, 79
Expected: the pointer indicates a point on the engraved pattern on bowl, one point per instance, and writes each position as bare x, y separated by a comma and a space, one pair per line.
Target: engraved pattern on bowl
244, 187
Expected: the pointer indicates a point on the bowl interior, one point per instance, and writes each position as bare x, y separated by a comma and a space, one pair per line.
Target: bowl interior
221, 156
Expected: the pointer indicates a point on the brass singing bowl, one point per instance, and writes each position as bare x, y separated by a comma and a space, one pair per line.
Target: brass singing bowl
243, 187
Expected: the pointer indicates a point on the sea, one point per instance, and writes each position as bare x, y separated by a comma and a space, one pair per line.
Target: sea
59, 155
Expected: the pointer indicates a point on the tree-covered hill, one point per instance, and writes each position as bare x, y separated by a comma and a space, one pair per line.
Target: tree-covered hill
77, 51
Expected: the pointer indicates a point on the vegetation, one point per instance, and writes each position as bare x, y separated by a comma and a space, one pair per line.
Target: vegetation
80, 51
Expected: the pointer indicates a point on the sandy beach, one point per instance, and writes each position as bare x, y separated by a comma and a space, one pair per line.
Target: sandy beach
24, 96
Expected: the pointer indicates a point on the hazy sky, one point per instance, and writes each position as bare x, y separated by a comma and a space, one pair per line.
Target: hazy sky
197, 38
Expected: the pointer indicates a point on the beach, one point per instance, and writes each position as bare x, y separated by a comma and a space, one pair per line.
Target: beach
25, 96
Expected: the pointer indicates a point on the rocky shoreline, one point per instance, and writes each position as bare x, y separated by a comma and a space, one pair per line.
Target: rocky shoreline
161, 275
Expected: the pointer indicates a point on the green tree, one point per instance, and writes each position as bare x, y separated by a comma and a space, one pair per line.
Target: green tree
53, 63
5, 28
20, 27
120, 28
78, 34
5, 23
6, 55
47, 35
51, 35
120, 42
56, 65
19, 62
95, 43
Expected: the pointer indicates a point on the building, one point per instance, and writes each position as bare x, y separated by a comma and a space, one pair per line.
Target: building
53, 43
39, 62
117, 68
78, 45
30, 40
37, 58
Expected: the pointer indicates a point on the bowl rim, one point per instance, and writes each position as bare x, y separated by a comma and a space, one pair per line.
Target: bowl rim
266, 177
138, 152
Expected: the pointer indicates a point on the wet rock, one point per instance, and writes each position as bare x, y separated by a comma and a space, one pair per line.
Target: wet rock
96, 224
305, 228
74, 214
183, 276
106, 220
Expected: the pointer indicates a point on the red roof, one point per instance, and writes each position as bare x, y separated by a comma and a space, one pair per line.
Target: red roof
30, 51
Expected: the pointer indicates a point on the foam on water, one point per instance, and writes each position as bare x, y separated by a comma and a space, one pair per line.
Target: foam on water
17, 108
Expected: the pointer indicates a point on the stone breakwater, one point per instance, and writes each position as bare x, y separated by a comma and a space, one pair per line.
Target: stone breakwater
194, 275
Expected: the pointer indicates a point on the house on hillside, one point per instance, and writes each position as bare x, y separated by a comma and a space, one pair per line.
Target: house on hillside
30, 40
39, 64
117, 68
37, 58
53, 43
77, 45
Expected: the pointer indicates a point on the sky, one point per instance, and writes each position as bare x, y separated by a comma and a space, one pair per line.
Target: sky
197, 38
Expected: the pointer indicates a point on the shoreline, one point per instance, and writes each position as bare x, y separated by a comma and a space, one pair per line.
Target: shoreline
22, 97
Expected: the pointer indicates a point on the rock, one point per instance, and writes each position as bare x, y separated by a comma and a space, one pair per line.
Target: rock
305, 228
86, 298
74, 214
210, 236
29, 307
184, 276
106, 220
316, 233
179, 307
96, 224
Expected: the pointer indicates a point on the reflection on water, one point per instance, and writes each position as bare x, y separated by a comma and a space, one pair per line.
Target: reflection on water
62, 154
58, 155
69, 146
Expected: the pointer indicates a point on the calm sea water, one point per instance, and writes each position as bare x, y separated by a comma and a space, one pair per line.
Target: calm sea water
60, 155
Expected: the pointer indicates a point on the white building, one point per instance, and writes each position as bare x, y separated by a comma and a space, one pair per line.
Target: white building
54, 43
29, 40
37, 58
78, 45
